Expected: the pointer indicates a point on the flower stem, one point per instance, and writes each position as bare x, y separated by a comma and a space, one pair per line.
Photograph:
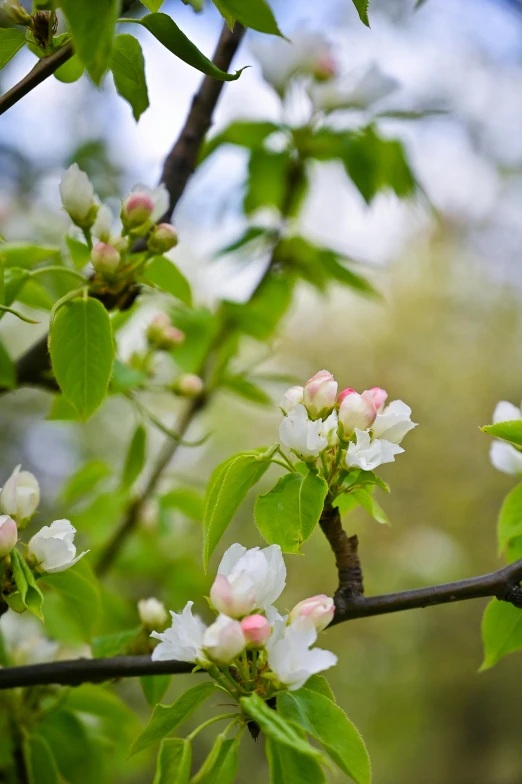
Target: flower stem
211, 721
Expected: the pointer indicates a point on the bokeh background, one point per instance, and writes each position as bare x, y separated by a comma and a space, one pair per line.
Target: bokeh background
446, 338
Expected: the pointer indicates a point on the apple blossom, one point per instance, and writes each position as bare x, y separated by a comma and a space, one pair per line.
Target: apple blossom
183, 640
359, 93
289, 654
105, 259
189, 385
305, 437
8, 535
319, 393
162, 238
319, 609
281, 60
162, 335
224, 639
369, 454
143, 205
248, 580
379, 397
394, 422
102, 226
355, 411
20, 495
256, 629
506, 457
152, 612
78, 199
291, 399
53, 548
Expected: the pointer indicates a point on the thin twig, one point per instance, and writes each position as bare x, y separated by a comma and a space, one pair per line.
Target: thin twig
41, 71
504, 584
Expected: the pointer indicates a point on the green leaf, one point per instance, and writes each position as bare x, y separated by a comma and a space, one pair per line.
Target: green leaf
288, 514
247, 389
256, 14
164, 274
83, 481
276, 727
319, 684
362, 10
22, 254
135, 459
154, 687
30, 593
82, 353
80, 594
102, 702
70, 71
168, 33
368, 502
501, 631
61, 409
41, 763
243, 133
153, 5
249, 235
228, 486
510, 519
376, 164
125, 378
322, 718
286, 765
165, 718
220, 766
261, 315
508, 431
92, 24
128, 69
267, 177
186, 500
80, 253
113, 644
174, 762
7, 369
200, 327
11, 41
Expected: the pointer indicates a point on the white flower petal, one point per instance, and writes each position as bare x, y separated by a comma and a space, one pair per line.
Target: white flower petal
505, 411
505, 458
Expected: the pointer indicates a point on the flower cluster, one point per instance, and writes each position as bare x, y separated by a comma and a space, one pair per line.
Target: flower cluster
265, 650
139, 215
506, 457
318, 419
52, 548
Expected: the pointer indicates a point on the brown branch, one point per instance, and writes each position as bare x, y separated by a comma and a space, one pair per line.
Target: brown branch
41, 71
504, 584
345, 549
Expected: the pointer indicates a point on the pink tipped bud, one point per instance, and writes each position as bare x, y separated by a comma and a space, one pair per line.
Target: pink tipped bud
256, 630
137, 209
356, 411
291, 399
105, 259
189, 385
224, 640
8, 535
163, 238
379, 397
319, 393
234, 598
325, 68
320, 609
162, 335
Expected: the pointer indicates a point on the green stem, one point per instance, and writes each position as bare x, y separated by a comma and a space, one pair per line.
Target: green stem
286, 459
280, 463
211, 721
88, 237
56, 268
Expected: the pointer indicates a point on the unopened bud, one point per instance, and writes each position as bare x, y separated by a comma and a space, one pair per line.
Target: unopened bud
8, 535
319, 393
152, 613
78, 197
105, 259
379, 397
324, 68
256, 630
319, 609
355, 411
163, 238
20, 495
224, 640
137, 209
291, 399
162, 335
189, 385
15, 12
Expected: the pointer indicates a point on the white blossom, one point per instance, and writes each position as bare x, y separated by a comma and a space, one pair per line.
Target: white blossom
224, 640
356, 93
248, 580
394, 422
20, 495
152, 612
53, 547
505, 457
319, 609
160, 199
355, 411
8, 535
183, 641
292, 397
307, 438
77, 192
320, 393
506, 412
368, 454
102, 226
281, 60
290, 657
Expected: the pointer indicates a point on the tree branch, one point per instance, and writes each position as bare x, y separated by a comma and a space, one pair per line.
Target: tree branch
41, 71
504, 584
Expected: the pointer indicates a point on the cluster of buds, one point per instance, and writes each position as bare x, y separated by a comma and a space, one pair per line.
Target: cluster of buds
52, 548
139, 214
319, 419
162, 335
265, 650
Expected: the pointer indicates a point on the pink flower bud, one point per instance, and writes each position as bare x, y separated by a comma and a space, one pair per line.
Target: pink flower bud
224, 640
105, 259
162, 335
325, 68
256, 630
319, 393
163, 237
355, 411
234, 597
189, 385
319, 609
137, 209
8, 535
379, 397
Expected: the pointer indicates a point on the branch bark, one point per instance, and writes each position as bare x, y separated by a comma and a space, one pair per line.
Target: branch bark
504, 584
41, 71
